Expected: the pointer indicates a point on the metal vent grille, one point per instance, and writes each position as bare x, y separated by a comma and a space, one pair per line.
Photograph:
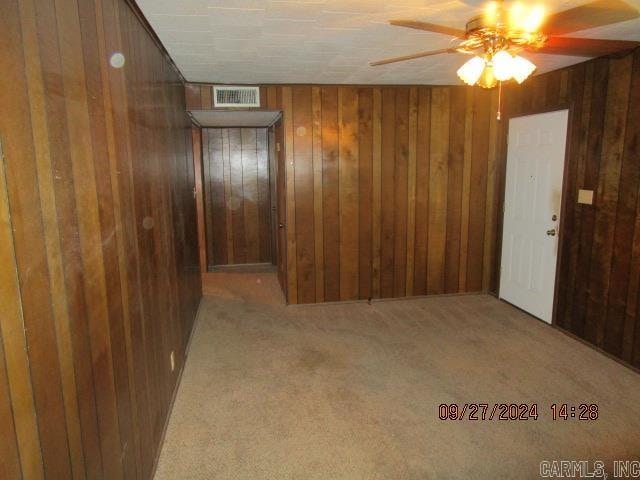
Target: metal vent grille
229, 96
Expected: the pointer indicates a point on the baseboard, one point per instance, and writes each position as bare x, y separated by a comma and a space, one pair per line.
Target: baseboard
175, 393
389, 299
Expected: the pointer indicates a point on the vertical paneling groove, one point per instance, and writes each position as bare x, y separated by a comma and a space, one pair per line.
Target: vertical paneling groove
30, 255
387, 211
330, 193
318, 215
607, 194
490, 218
438, 176
264, 196
197, 137
19, 394
128, 401
9, 454
478, 190
620, 277
590, 181
304, 194
212, 163
236, 199
228, 211
376, 191
55, 265
365, 180
83, 171
632, 144
400, 192
249, 160
455, 174
292, 276
581, 85
348, 191
84, 302
466, 188
411, 189
423, 155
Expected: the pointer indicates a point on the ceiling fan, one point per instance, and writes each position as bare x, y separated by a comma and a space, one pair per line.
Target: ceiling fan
497, 36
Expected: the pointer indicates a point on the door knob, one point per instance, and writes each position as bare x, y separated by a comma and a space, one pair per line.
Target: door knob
281, 225
551, 232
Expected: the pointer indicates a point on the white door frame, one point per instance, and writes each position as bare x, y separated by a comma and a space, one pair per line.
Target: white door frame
563, 201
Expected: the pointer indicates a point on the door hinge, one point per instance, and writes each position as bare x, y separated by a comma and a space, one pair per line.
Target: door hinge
194, 192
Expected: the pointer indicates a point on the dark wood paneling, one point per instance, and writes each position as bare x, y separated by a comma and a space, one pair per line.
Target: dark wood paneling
304, 194
330, 204
97, 219
365, 183
423, 155
389, 190
348, 191
387, 209
236, 187
599, 263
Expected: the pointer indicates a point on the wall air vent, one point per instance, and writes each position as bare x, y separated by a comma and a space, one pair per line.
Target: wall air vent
238, 97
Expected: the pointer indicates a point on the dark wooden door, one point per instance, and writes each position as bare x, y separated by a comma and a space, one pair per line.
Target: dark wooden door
237, 196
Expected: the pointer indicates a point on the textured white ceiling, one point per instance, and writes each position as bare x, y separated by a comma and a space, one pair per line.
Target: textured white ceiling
326, 41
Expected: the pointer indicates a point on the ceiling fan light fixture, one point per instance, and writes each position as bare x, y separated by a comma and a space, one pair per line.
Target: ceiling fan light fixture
503, 67
521, 68
471, 71
488, 78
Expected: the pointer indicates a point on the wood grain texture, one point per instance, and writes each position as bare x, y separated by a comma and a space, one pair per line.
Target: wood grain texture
290, 194
331, 199
236, 196
379, 190
380, 185
318, 216
198, 169
423, 155
387, 211
99, 231
348, 192
438, 184
400, 193
599, 263
365, 186
304, 194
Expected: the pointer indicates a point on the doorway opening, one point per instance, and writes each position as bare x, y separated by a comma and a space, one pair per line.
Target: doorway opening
241, 194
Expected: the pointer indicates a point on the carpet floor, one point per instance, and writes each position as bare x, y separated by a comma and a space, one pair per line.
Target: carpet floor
352, 391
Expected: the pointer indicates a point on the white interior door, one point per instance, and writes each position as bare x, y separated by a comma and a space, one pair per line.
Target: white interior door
535, 166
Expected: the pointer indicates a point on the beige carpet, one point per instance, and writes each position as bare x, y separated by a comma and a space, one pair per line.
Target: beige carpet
352, 392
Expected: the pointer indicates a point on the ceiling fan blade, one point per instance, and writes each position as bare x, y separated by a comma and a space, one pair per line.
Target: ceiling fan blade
429, 27
584, 47
594, 14
411, 57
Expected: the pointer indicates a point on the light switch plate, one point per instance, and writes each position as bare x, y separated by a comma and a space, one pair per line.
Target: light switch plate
585, 197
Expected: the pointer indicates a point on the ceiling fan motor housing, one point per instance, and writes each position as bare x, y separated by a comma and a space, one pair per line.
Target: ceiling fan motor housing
491, 37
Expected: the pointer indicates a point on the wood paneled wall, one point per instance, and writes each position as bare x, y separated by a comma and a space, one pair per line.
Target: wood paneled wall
390, 190
99, 273
599, 276
237, 196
